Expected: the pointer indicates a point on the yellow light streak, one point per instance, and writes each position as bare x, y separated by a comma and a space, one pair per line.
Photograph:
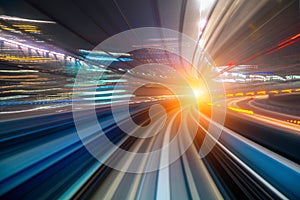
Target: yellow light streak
261, 92
241, 110
14, 58
32, 30
239, 94
274, 92
287, 91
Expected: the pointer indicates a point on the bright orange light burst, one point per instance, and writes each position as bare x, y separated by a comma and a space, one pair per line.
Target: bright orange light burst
200, 91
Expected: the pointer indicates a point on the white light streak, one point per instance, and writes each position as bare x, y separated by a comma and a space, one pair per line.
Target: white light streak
11, 18
29, 46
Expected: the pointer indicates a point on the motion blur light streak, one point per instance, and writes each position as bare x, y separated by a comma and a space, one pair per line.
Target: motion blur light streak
241, 110
148, 99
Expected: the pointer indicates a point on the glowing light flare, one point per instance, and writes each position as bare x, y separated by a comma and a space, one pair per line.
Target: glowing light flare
200, 90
